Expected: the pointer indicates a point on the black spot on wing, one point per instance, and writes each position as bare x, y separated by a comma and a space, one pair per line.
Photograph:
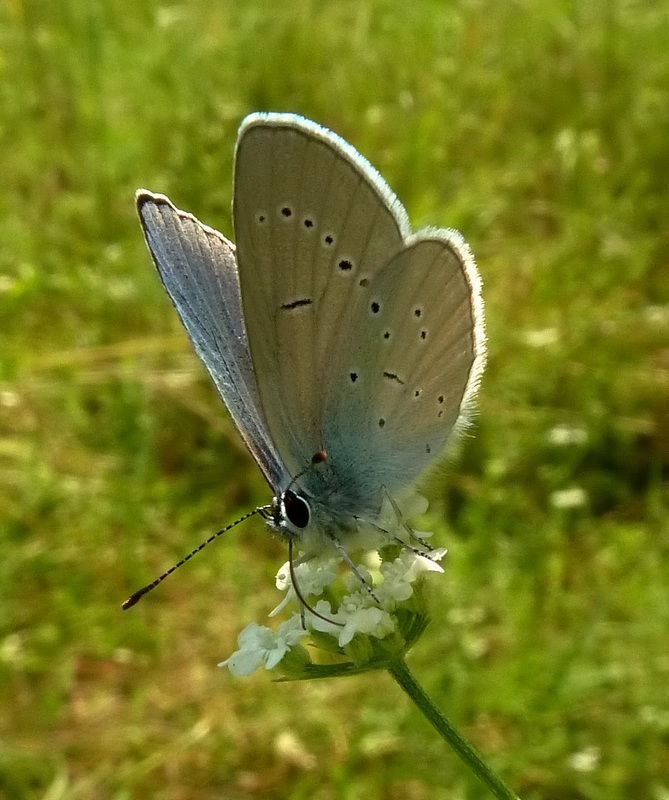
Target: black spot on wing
305, 301
393, 377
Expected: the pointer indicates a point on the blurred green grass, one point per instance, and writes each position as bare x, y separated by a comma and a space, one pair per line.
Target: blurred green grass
540, 131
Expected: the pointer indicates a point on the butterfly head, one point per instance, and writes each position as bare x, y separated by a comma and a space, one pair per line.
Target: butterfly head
290, 513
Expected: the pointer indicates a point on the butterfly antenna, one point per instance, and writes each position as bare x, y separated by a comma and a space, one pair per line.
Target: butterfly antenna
300, 597
134, 598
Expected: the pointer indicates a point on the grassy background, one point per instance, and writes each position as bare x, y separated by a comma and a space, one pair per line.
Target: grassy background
541, 131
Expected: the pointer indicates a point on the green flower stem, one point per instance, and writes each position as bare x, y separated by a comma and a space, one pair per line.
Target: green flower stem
399, 670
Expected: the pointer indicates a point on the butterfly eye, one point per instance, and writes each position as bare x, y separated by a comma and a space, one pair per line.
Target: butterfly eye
295, 509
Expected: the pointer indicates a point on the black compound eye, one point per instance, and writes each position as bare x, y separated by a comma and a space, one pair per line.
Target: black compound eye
296, 509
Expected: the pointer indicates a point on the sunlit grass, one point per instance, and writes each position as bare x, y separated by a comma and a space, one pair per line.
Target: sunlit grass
540, 131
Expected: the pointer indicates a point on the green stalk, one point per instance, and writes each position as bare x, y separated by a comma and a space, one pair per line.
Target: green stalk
401, 673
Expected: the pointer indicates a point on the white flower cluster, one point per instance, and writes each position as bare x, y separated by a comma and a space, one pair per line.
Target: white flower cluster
262, 647
355, 612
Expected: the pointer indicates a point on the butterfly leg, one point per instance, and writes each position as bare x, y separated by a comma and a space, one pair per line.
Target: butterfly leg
339, 548
405, 526
396, 539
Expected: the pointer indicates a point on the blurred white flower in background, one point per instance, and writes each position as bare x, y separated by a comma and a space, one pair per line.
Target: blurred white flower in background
573, 497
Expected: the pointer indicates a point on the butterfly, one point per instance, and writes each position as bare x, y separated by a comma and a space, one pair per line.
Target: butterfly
347, 349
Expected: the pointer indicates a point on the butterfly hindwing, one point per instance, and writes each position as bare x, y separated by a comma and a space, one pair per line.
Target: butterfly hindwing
404, 380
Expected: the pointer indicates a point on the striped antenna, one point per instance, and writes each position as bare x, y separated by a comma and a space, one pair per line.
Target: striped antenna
136, 597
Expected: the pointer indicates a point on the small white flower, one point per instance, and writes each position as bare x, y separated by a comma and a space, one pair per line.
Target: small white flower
313, 577
574, 497
360, 618
657, 316
321, 623
358, 614
564, 435
292, 750
400, 574
397, 580
432, 560
586, 760
9, 399
261, 646
544, 337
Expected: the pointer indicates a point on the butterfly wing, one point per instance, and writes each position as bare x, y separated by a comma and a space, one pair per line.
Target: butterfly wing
314, 222
197, 267
405, 380
367, 340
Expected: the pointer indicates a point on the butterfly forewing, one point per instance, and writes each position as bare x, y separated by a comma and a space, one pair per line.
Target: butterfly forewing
314, 223
197, 267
